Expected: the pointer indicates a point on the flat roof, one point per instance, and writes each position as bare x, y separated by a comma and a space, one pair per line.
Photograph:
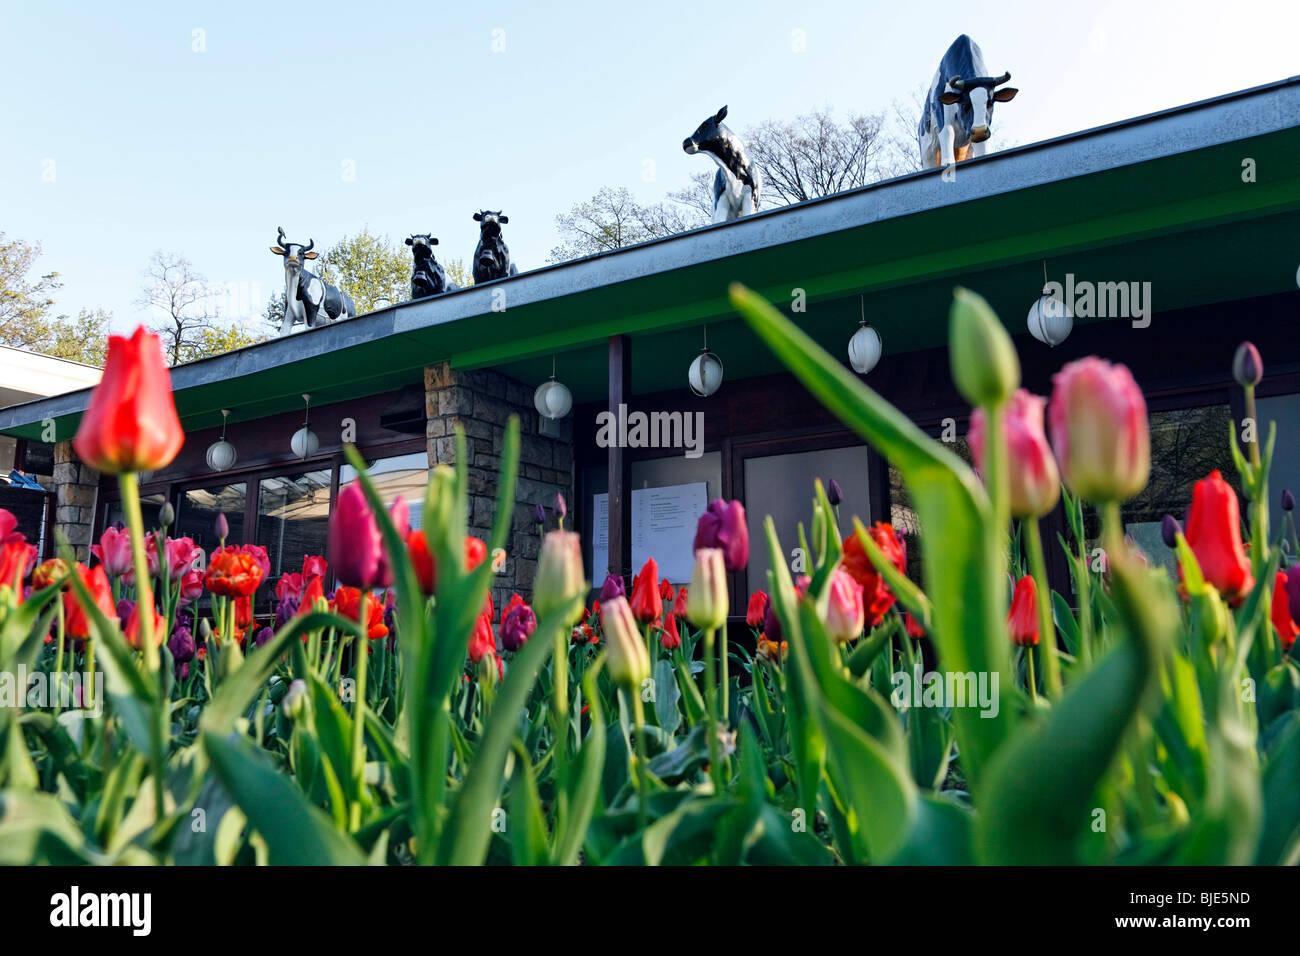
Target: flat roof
1160, 198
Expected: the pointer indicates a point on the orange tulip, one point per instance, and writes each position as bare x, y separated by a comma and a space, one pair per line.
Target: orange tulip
76, 619
233, 573
131, 424
348, 602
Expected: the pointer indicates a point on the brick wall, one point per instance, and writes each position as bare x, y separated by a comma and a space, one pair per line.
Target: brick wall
75, 488
482, 401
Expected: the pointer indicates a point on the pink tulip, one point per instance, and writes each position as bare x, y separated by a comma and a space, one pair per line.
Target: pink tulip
845, 614
191, 587
723, 526
182, 555
1099, 430
1034, 483
355, 548
114, 552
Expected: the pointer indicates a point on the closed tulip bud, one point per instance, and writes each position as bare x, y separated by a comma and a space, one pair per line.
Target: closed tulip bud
1288, 500
539, 515
834, 493
1214, 535
231, 659
131, 423
1169, 529
561, 508
1098, 420
1247, 366
205, 631
646, 600
985, 367
166, 515
629, 662
222, 526
612, 588
559, 575
1033, 483
1022, 621
723, 526
1281, 611
845, 616
355, 548
294, 703
708, 605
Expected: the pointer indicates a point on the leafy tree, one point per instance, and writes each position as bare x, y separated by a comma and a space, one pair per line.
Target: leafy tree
457, 273
83, 339
273, 314
370, 268
218, 339
25, 302
179, 297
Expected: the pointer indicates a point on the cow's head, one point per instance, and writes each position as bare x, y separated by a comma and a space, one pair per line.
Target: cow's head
974, 97
422, 244
294, 253
490, 222
710, 133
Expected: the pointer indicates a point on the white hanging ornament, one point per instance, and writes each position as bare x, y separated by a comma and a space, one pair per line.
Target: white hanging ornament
705, 373
552, 399
221, 454
865, 347
1049, 318
304, 441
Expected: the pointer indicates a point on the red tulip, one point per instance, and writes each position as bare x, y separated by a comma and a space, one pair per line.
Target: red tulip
311, 593
348, 602
233, 573
481, 642
646, 601
131, 424
1022, 621
133, 627
1034, 484
876, 595
666, 591
243, 611
754, 614
76, 618
1099, 430
681, 602
912, 626
7, 523
669, 636
1281, 612
1214, 534
17, 558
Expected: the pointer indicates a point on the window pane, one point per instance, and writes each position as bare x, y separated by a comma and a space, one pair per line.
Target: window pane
292, 522
150, 506
197, 510
782, 486
906, 522
405, 475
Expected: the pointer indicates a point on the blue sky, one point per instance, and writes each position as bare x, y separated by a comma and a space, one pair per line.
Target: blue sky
156, 145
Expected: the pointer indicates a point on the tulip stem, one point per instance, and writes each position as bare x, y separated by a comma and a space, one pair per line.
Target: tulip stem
58, 651
1030, 678
359, 716
642, 769
130, 488
560, 702
1047, 630
711, 704
723, 685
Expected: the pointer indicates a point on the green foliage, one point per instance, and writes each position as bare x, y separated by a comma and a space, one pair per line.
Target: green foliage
375, 271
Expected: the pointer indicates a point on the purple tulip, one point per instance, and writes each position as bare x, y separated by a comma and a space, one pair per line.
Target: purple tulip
124, 609
834, 493
181, 644
723, 526
285, 610
540, 515
1288, 500
771, 624
262, 636
516, 625
1169, 529
1247, 366
612, 588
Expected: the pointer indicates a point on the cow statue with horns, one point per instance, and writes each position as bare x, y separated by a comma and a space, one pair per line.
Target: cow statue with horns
957, 116
308, 299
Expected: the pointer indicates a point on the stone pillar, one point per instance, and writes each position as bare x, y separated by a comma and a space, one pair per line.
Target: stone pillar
481, 401
76, 488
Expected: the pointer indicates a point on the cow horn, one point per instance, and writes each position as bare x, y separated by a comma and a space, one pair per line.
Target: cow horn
1002, 79
280, 231
307, 248
957, 83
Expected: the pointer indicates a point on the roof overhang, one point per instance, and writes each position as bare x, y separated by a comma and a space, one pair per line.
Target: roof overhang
1159, 198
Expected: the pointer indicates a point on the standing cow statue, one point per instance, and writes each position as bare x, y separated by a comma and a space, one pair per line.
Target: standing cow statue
427, 275
491, 258
737, 183
957, 116
308, 299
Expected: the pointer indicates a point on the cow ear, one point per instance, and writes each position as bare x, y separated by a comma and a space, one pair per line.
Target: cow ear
1005, 94
478, 217
277, 250
721, 115
504, 220
433, 241
408, 241
310, 255
949, 97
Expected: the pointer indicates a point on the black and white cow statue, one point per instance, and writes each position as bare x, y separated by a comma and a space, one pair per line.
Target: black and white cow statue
737, 184
308, 299
427, 275
957, 116
491, 258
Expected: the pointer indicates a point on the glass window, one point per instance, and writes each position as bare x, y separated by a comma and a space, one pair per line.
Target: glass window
906, 522
197, 510
782, 486
293, 514
150, 506
405, 475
